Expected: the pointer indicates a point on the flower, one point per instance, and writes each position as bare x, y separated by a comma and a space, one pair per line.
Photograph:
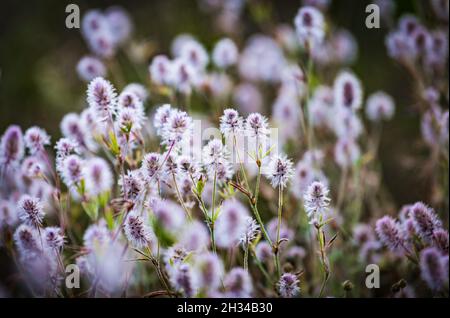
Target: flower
238, 283
346, 152
316, 200
90, 67
288, 285
8, 214
30, 210
35, 139
231, 124
161, 70
178, 127
194, 54
138, 90
137, 232
181, 279
98, 176
425, 221
169, 215
380, 106
102, 98
131, 184
251, 231
310, 26
194, 236
231, 224
11, 146
263, 251
432, 268
54, 237
72, 170
389, 233
225, 53
27, 241
256, 127
151, 167
207, 271
347, 91
279, 171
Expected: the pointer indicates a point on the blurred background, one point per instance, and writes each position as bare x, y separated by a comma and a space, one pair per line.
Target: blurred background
39, 84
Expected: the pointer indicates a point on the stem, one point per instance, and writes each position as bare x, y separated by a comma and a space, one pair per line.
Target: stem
213, 212
246, 256
277, 246
240, 162
180, 198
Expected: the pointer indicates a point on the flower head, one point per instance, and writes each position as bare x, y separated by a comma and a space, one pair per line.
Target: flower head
54, 237
136, 231
310, 26
288, 285
231, 124
279, 171
389, 233
72, 170
225, 53
380, 106
31, 211
347, 91
102, 98
238, 283
98, 176
11, 146
316, 200
425, 221
90, 67
432, 267
231, 223
161, 70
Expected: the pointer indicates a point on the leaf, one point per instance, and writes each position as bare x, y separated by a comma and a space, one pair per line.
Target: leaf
113, 145
200, 186
91, 208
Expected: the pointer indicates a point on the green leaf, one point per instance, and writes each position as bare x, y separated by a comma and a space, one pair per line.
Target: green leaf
91, 208
113, 145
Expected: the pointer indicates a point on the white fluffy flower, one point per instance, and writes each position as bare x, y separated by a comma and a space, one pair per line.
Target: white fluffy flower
316, 200
279, 171
225, 53
310, 26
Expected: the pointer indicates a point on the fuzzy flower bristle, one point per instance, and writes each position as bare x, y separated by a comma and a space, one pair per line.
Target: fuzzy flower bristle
425, 221
256, 126
389, 233
316, 200
12, 147
31, 211
98, 176
310, 26
102, 98
288, 285
225, 53
54, 237
238, 283
432, 268
36, 139
347, 91
279, 171
231, 124
231, 223
251, 231
27, 241
136, 231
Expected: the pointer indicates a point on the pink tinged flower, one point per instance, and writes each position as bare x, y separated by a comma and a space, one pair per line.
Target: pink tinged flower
36, 139
263, 252
425, 221
285, 232
347, 124
169, 215
256, 126
225, 53
65, 147
214, 153
178, 127
207, 272
195, 54
310, 26
434, 268
238, 283
389, 233
440, 240
102, 98
347, 91
137, 232
131, 185
181, 278
194, 236
11, 146
32, 167
119, 24
380, 106
161, 117
346, 152
288, 285
90, 67
97, 235
316, 200
184, 76
98, 176
27, 241
188, 166
279, 171
251, 232
161, 70
178, 42
248, 98
139, 90
30, 210
231, 223
8, 214
151, 167
362, 233
54, 237
231, 124
72, 127
72, 170
400, 46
